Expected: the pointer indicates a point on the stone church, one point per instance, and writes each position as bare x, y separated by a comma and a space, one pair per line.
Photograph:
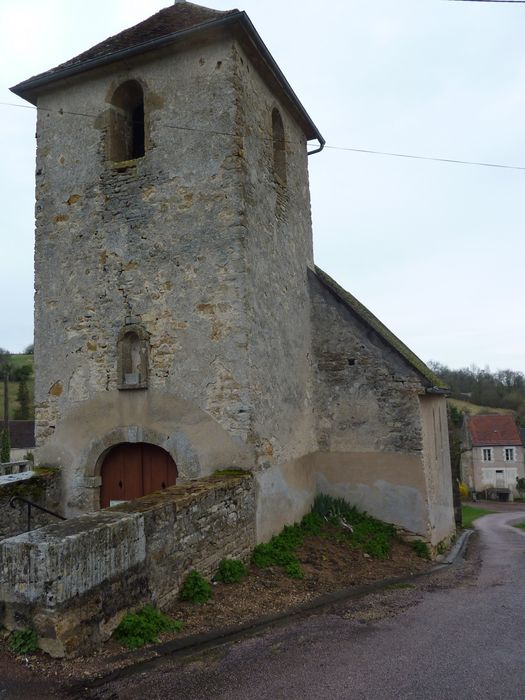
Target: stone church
181, 325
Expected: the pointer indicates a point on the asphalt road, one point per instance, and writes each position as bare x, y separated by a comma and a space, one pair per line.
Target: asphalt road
458, 637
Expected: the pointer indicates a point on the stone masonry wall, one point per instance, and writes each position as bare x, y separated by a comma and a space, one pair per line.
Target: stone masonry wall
279, 252
367, 396
157, 241
74, 581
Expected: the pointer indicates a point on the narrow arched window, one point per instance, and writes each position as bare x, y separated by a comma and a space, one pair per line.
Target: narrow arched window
133, 358
279, 148
126, 128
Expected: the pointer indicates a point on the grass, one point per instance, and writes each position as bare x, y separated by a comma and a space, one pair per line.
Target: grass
473, 409
520, 525
471, 513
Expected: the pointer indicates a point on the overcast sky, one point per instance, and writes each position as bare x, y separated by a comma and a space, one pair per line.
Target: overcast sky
435, 250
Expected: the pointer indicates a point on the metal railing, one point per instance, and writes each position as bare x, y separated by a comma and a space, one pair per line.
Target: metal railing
30, 505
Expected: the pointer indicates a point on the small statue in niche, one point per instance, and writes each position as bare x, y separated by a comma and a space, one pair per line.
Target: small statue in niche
133, 358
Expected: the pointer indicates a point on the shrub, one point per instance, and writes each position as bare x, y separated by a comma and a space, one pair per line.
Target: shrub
421, 549
230, 571
23, 641
143, 627
463, 490
195, 588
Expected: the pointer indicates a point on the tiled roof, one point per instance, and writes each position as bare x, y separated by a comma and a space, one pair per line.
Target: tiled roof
176, 18
386, 334
493, 429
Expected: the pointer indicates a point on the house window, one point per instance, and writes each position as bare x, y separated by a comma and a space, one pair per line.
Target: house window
132, 358
126, 123
487, 454
509, 454
279, 148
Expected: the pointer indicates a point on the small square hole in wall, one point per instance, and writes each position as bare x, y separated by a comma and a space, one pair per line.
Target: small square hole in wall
351, 361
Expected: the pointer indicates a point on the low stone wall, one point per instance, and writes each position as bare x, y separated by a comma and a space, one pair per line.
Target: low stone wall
15, 467
41, 485
72, 582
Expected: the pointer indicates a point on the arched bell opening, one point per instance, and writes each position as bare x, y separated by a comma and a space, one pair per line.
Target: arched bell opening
127, 124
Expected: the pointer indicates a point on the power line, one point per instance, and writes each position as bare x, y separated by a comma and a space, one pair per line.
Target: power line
369, 151
509, 2
432, 158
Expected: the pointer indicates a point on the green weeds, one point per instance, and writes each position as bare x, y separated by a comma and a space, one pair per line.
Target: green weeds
230, 571
23, 641
331, 518
421, 549
195, 588
361, 530
143, 627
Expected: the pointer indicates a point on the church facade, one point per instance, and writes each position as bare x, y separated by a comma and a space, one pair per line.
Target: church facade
181, 325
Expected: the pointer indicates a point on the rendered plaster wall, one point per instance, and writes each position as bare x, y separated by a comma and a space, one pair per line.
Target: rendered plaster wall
370, 425
73, 582
198, 444
484, 473
438, 474
390, 486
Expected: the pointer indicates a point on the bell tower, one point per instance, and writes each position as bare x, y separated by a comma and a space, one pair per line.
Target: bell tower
173, 238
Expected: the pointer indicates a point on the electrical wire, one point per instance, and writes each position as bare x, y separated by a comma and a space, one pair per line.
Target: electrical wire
369, 151
509, 2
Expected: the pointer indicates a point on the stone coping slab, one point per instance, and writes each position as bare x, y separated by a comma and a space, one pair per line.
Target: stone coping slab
181, 495
13, 478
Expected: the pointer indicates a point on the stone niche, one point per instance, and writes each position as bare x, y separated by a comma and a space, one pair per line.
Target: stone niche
133, 357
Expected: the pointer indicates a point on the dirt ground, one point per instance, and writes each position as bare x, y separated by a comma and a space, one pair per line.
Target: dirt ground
329, 566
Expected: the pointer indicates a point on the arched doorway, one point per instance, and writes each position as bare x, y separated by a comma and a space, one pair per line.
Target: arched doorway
132, 470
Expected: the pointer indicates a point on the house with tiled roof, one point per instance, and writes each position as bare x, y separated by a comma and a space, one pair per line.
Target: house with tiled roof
493, 455
181, 325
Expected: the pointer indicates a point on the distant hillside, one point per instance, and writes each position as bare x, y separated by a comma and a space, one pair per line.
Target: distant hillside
473, 409
489, 391
18, 361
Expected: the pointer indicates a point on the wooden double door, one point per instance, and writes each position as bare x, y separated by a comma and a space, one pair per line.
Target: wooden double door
132, 470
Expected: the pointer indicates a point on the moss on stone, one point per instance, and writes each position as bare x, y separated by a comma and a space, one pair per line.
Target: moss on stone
231, 472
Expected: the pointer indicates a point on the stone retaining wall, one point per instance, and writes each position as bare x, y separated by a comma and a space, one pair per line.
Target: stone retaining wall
73, 582
41, 485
